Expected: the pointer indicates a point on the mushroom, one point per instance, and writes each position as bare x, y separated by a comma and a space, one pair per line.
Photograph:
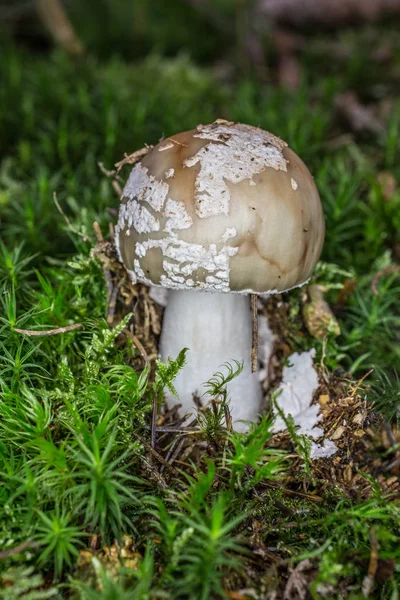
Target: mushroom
217, 214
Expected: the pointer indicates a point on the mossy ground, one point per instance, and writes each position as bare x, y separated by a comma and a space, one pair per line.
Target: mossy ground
88, 509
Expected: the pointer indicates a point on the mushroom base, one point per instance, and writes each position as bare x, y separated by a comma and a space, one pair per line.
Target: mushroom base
216, 328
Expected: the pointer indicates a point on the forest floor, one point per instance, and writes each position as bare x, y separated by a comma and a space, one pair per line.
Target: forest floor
88, 508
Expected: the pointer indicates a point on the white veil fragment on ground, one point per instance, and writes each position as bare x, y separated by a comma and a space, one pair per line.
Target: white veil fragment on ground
296, 391
295, 394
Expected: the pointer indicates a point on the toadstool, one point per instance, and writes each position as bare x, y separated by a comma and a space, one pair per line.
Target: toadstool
216, 214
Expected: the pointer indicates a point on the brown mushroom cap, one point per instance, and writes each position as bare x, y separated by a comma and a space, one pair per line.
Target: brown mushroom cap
224, 207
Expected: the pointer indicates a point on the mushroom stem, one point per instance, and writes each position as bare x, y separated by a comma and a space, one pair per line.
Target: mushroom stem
216, 328
254, 333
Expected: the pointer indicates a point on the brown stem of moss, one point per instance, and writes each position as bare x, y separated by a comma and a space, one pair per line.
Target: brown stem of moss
254, 333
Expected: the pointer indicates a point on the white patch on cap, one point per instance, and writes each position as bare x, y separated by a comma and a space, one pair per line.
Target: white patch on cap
133, 214
294, 183
240, 153
139, 273
176, 215
145, 188
230, 233
132, 276
182, 259
299, 382
169, 173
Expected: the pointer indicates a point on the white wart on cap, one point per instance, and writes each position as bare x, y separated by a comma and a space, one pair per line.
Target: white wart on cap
225, 207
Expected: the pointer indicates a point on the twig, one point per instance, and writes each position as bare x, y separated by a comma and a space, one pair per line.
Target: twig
158, 477
97, 232
368, 582
33, 332
309, 497
353, 389
146, 324
379, 274
130, 159
117, 188
154, 320
174, 450
171, 429
254, 333
112, 303
17, 549
228, 418
138, 345
56, 20
156, 455
115, 176
107, 272
66, 219
108, 172
154, 421
93, 542
178, 443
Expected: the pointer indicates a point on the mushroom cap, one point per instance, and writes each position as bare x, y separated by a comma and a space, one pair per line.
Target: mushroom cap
225, 207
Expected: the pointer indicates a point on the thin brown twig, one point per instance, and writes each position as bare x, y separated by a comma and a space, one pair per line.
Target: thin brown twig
178, 442
368, 582
379, 274
154, 319
254, 333
107, 272
353, 389
156, 455
158, 477
17, 549
117, 188
97, 232
138, 345
171, 429
174, 450
130, 159
33, 332
310, 497
116, 178
228, 419
108, 172
146, 324
112, 304
66, 219
154, 421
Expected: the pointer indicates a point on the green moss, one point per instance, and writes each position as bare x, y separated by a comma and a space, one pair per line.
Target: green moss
71, 466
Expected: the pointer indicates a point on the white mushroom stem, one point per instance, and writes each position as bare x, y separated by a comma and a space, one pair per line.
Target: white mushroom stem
216, 328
